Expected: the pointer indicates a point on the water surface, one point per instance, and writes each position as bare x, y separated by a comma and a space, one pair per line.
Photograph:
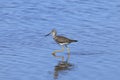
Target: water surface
25, 53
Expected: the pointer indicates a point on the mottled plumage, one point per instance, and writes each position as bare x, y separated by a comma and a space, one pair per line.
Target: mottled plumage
64, 41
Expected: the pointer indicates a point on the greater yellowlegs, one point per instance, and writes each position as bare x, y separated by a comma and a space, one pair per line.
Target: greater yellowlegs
63, 41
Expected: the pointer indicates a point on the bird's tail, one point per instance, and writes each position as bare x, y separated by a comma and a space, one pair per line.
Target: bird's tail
74, 41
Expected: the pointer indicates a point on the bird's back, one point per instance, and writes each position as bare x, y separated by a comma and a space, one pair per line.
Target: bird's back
62, 39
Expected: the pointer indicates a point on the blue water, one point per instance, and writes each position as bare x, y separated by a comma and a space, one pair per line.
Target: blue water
25, 53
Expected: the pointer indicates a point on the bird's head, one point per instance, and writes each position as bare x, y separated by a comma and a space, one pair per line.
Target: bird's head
53, 32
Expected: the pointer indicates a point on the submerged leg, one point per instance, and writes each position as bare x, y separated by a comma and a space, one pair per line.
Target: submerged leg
54, 53
68, 50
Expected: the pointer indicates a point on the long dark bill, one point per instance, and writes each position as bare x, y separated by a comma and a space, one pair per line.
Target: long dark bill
48, 34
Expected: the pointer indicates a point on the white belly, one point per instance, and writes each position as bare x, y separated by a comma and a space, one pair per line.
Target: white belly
63, 43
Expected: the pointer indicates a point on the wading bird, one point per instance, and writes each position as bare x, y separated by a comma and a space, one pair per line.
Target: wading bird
63, 41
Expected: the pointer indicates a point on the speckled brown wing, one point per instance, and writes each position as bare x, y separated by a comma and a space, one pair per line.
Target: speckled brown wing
62, 39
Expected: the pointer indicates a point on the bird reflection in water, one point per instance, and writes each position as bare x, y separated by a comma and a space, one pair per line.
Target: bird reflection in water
61, 67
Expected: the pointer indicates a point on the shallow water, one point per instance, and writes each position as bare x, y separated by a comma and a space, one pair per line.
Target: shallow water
25, 53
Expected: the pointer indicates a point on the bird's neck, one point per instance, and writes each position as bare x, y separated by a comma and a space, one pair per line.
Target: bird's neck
54, 35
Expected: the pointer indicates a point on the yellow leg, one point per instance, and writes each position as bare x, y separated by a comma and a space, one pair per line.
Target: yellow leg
54, 53
68, 49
